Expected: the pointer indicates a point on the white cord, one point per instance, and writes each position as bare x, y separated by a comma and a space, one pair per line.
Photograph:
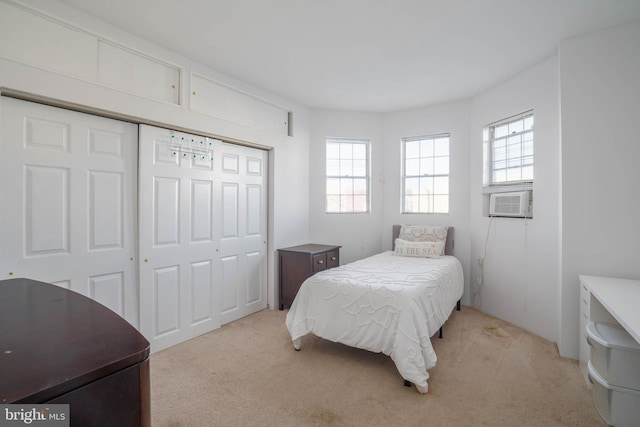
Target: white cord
477, 295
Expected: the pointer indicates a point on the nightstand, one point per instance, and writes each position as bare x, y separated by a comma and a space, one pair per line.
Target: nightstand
297, 263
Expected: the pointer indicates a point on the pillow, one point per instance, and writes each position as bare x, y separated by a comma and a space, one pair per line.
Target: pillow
419, 249
423, 233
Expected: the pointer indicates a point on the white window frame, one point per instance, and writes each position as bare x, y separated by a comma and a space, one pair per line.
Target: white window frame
347, 178
519, 128
428, 171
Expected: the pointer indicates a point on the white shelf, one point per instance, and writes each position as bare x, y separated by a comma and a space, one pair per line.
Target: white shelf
615, 301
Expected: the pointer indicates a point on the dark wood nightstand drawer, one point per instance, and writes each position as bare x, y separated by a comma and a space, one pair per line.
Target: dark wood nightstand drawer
333, 259
319, 262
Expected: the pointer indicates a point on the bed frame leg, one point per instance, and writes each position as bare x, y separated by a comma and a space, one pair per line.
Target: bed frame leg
440, 335
407, 383
458, 305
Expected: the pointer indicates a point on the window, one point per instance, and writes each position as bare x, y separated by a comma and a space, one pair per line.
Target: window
508, 153
425, 174
347, 176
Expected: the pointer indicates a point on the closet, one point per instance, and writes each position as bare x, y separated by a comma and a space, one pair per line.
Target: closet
165, 228
202, 234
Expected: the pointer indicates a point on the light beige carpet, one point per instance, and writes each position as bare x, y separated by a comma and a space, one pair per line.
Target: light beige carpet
489, 373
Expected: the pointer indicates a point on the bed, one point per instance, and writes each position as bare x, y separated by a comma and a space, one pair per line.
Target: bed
392, 302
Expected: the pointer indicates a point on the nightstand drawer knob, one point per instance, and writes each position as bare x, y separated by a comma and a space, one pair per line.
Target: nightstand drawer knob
333, 258
320, 261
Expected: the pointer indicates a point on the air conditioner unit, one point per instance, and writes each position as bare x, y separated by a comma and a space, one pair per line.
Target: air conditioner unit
514, 204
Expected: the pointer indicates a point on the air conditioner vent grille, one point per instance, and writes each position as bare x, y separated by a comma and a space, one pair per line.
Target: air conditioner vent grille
508, 204
515, 204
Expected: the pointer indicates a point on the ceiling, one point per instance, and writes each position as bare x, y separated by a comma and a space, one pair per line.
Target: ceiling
364, 55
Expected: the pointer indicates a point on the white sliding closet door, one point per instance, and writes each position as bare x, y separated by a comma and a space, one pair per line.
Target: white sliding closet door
243, 222
178, 300
202, 234
68, 202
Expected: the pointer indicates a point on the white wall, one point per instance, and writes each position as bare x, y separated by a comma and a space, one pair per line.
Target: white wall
359, 234
452, 118
520, 282
288, 157
362, 235
521, 278
531, 267
600, 108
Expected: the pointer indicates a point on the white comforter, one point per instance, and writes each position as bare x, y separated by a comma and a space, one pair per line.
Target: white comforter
385, 303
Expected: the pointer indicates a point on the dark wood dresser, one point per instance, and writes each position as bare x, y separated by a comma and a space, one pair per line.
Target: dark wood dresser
297, 263
60, 347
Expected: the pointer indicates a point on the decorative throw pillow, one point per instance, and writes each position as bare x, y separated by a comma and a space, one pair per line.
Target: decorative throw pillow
423, 233
419, 249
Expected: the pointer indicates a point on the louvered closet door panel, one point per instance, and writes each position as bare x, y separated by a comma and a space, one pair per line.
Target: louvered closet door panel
68, 202
180, 298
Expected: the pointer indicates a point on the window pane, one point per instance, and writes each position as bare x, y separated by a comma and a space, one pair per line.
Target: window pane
528, 122
441, 185
346, 204
333, 203
527, 150
426, 166
441, 147
516, 127
346, 151
527, 173
360, 203
360, 186
514, 174
333, 150
426, 204
346, 186
426, 185
411, 186
359, 168
412, 149
426, 147
500, 153
346, 168
360, 151
514, 140
441, 204
333, 167
441, 166
514, 150
412, 167
411, 204
333, 186
501, 131
512, 163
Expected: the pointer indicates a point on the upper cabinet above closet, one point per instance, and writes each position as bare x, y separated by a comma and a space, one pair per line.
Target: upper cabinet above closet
127, 70
46, 43
215, 99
